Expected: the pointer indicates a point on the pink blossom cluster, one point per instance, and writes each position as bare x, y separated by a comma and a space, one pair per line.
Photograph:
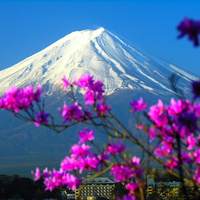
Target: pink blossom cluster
20, 99
171, 124
126, 171
93, 95
53, 179
17, 100
81, 159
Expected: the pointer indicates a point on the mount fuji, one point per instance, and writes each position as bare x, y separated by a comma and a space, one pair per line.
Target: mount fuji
103, 55
127, 73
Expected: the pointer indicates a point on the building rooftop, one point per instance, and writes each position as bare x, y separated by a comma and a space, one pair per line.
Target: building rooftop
99, 180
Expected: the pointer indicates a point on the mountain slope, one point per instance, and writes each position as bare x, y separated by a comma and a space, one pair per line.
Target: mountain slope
99, 53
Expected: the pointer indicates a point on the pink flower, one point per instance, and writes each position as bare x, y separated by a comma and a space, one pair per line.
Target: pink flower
89, 97
103, 157
197, 176
11, 99
51, 183
41, 118
156, 114
38, 93
113, 149
121, 172
168, 143
71, 181
69, 164
172, 163
157, 110
152, 134
86, 135
138, 105
46, 173
136, 160
2, 106
97, 88
81, 151
88, 163
36, 174
191, 141
185, 157
175, 107
132, 187
102, 109
159, 151
65, 82
196, 155
72, 112
84, 81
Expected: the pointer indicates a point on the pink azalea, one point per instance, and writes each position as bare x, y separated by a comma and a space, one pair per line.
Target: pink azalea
196, 155
159, 151
71, 181
97, 88
156, 110
86, 135
65, 82
11, 100
172, 163
72, 112
191, 141
138, 105
152, 134
196, 109
168, 143
197, 176
135, 160
84, 81
89, 97
46, 173
29, 93
121, 172
51, 183
102, 109
36, 174
132, 187
115, 148
103, 157
41, 118
88, 163
156, 114
185, 157
38, 93
1, 103
175, 107
69, 164
80, 150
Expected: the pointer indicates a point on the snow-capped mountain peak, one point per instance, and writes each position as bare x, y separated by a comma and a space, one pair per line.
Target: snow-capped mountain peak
100, 53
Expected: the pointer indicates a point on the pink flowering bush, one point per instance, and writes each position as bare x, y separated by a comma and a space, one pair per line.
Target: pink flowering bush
173, 132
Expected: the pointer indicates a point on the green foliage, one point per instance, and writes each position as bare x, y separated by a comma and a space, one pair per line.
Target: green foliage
21, 187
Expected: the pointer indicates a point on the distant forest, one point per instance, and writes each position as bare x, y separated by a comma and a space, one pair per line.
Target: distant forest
25, 188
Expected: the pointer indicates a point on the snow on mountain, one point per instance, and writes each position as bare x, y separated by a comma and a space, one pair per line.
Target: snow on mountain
100, 53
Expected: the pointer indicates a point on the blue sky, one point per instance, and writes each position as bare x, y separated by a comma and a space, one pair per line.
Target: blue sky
27, 27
